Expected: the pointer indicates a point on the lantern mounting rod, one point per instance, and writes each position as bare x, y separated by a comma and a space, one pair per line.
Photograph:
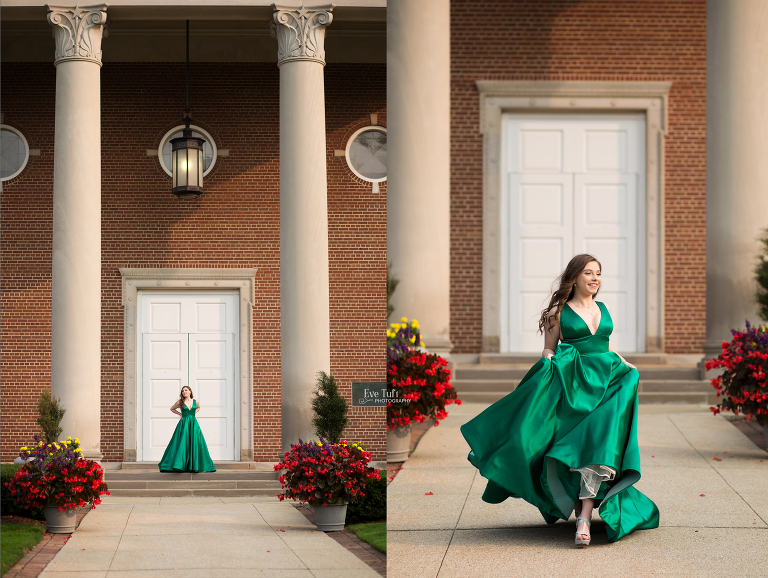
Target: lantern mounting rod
187, 120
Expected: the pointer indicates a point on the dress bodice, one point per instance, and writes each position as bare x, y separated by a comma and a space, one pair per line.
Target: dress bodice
576, 332
188, 411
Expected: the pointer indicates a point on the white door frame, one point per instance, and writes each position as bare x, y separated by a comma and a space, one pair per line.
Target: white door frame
141, 370
177, 280
500, 96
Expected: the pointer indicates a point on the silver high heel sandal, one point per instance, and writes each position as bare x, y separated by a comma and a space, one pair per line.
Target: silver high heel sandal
580, 542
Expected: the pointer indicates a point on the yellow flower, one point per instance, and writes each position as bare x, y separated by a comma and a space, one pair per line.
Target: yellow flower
422, 344
23, 449
415, 324
403, 326
69, 437
404, 320
77, 440
395, 325
413, 339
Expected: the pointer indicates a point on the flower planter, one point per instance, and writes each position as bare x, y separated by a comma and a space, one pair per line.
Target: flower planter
330, 517
398, 443
60, 522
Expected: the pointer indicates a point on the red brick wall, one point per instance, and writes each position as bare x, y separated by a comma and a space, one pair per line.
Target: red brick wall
630, 40
234, 225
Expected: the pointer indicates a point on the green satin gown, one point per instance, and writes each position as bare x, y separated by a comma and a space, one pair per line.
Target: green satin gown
187, 450
577, 409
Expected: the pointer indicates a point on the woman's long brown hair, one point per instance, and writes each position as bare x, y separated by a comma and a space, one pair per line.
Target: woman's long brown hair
567, 285
181, 395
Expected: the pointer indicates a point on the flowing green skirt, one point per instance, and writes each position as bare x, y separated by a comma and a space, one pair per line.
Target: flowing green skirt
187, 450
568, 412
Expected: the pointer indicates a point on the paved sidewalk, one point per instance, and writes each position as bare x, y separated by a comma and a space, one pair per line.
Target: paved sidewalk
714, 512
201, 538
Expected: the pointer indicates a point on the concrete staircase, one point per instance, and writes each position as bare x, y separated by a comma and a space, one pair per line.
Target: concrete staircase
663, 379
139, 479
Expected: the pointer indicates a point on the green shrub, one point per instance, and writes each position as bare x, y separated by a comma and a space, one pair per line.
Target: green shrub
761, 276
373, 506
51, 413
7, 505
330, 409
392, 283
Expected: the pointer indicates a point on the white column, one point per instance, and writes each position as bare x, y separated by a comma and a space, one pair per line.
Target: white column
737, 169
418, 172
76, 331
304, 302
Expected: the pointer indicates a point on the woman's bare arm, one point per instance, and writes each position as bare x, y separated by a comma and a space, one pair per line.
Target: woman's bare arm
551, 335
175, 408
198, 407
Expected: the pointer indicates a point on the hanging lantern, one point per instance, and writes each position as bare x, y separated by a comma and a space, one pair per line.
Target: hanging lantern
187, 161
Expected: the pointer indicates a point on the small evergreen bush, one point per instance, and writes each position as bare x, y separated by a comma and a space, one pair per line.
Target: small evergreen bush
373, 506
392, 283
330, 409
51, 413
761, 276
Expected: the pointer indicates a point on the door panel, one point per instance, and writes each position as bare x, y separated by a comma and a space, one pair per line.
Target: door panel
165, 372
211, 375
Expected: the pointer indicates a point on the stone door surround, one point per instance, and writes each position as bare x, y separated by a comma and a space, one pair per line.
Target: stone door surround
500, 96
177, 280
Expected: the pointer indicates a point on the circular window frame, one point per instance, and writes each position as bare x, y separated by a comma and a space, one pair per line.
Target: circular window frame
374, 127
26, 152
195, 128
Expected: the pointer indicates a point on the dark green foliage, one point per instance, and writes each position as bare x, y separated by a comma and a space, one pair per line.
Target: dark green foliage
761, 276
51, 413
373, 506
330, 409
7, 505
392, 282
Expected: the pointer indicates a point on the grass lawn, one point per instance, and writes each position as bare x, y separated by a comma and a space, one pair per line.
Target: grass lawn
375, 533
17, 536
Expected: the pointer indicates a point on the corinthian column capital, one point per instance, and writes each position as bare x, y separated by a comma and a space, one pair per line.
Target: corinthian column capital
78, 31
300, 32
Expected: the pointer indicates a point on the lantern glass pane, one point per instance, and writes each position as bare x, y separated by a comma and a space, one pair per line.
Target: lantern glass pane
182, 167
175, 170
200, 168
192, 157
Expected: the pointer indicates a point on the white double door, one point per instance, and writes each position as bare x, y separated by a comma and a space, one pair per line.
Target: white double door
188, 339
572, 184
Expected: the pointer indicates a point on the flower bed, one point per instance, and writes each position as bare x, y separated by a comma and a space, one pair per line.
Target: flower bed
57, 475
319, 473
743, 384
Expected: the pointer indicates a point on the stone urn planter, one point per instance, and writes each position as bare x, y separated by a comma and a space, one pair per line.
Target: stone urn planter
330, 518
60, 522
398, 443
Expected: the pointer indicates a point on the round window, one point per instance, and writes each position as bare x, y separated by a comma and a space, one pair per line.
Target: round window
367, 153
14, 152
209, 148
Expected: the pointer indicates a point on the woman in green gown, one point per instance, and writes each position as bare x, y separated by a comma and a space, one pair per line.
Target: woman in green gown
187, 451
567, 436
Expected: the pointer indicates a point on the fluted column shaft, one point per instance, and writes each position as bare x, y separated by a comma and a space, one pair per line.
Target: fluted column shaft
737, 172
304, 293
418, 171
76, 292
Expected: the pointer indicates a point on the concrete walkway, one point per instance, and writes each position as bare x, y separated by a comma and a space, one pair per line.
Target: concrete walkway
201, 538
714, 512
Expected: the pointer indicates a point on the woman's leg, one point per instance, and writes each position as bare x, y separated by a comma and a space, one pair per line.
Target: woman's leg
582, 529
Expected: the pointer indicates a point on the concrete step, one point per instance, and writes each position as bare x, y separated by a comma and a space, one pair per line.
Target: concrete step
151, 483
489, 372
157, 476
250, 466
531, 358
651, 397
